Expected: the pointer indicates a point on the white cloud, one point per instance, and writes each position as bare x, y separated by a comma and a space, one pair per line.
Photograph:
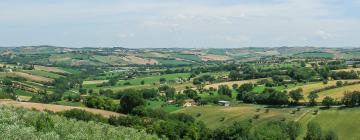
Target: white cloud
323, 34
187, 22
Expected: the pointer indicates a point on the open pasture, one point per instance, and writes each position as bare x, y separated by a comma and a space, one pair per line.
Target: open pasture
49, 69
342, 121
218, 116
43, 73
216, 85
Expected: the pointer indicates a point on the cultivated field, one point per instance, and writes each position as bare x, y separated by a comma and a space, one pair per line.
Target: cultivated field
49, 69
43, 73
213, 57
307, 88
28, 76
338, 93
94, 82
216, 85
137, 60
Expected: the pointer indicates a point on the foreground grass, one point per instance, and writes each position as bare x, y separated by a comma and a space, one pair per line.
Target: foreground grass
343, 121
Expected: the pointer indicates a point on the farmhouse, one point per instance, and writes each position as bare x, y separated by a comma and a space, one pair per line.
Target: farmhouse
224, 103
189, 102
171, 101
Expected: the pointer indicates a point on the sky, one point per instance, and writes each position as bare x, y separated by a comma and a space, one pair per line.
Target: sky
180, 23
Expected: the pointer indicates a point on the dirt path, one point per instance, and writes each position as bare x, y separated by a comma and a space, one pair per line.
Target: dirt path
55, 108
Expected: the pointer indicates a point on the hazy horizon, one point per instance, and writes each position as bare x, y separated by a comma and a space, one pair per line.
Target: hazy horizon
180, 24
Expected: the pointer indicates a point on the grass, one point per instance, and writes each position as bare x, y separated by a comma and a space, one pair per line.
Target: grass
279, 66
349, 69
30, 77
189, 57
68, 103
308, 87
173, 62
216, 85
154, 79
111, 59
342, 121
92, 82
71, 70
158, 104
216, 74
137, 81
211, 115
338, 93
43, 73
351, 55
23, 93
261, 88
55, 108
217, 51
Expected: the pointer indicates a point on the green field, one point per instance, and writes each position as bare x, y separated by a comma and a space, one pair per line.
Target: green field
154, 79
189, 57
342, 121
71, 70
173, 62
338, 93
67, 103
351, 55
43, 73
212, 115
217, 51
261, 88
165, 107
113, 60
137, 81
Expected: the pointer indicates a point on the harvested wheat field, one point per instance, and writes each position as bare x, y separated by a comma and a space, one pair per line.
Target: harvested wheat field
216, 85
91, 82
29, 77
49, 69
137, 60
213, 57
313, 86
55, 108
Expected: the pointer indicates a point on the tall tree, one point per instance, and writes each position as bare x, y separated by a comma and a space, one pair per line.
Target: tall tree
312, 98
296, 95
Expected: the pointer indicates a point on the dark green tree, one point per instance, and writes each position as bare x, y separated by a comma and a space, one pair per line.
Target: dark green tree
296, 95
224, 90
129, 101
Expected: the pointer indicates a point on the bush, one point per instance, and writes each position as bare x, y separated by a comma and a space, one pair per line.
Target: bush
83, 115
100, 102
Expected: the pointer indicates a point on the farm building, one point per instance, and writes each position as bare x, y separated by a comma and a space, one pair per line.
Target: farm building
171, 101
189, 102
224, 103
